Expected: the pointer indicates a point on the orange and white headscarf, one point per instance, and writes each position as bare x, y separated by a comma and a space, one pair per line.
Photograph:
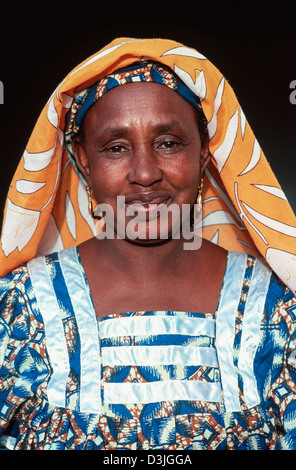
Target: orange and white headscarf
244, 208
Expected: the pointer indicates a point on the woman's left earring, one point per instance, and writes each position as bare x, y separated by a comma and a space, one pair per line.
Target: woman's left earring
199, 196
196, 214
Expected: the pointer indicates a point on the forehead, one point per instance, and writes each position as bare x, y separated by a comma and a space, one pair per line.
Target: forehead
148, 101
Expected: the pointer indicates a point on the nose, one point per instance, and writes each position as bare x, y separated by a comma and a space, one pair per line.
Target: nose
145, 169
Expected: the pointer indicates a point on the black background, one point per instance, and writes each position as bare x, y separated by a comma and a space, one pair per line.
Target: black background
253, 46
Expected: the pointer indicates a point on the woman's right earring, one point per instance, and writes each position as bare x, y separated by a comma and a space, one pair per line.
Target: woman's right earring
89, 197
90, 206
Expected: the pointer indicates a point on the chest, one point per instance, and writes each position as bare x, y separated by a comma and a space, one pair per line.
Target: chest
116, 294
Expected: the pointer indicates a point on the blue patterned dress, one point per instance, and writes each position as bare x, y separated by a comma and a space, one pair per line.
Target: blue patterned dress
145, 380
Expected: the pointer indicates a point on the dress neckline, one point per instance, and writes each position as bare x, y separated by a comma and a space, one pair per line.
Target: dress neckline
233, 260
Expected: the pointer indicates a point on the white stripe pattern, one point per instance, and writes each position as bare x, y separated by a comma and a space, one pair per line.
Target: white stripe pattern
251, 330
55, 338
90, 387
166, 390
225, 328
157, 355
149, 356
156, 325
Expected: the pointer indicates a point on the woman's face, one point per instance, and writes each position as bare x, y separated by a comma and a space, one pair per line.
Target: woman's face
141, 142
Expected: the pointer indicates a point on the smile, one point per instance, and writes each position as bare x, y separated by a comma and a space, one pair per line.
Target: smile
147, 205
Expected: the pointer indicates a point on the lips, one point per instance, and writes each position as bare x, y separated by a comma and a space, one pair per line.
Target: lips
147, 204
155, 197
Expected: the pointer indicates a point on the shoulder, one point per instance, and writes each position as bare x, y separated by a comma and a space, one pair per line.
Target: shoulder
278, 300
18, 281
18, 289
258, 280
16, 313
280, 306
13, 287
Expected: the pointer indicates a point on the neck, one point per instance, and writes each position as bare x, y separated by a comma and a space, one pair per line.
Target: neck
131, 256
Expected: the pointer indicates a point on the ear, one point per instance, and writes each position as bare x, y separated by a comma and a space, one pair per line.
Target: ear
81, 158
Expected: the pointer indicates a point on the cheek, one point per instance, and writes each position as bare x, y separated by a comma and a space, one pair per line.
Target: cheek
185, 175
106, 182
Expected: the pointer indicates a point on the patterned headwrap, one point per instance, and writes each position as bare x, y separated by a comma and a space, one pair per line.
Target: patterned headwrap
143, 71
244, 207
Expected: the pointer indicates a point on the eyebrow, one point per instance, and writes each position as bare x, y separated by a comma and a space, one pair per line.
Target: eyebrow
117, 132
166, 127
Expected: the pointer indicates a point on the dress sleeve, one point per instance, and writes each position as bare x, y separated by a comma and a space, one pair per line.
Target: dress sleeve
282, 395
22, 369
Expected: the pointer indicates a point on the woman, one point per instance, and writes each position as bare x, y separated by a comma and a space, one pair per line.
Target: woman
130, 340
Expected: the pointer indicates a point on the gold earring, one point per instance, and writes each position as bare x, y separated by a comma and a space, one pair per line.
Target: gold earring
89, 197
90, 206
197, 212
199, 196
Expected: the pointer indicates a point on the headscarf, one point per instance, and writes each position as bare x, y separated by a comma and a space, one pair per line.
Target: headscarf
244, 207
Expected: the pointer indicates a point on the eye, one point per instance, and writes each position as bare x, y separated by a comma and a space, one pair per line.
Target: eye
168, 144
116, 149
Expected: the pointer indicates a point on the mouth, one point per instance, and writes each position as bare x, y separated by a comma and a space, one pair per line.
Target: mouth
147, 205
